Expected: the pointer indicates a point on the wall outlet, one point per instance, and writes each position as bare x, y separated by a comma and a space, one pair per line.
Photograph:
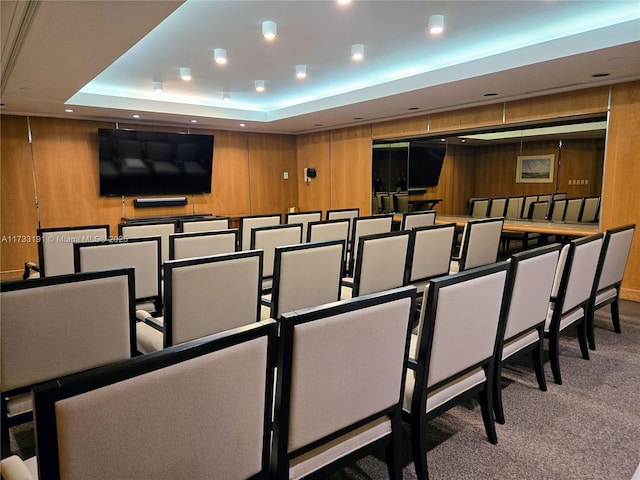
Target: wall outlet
285, 175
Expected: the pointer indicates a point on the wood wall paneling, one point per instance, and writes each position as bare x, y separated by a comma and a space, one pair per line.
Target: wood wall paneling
351, 168
579, 102
230, 187
314, 150
403, 127
464, 118
17, 196
246, 167
621, 195
269, 157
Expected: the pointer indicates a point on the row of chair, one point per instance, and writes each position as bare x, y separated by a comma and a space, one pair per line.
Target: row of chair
384, 202
230, 286
337, 397
554, 207
55, 247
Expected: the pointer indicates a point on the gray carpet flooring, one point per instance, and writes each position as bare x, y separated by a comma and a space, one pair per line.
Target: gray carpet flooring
587, 428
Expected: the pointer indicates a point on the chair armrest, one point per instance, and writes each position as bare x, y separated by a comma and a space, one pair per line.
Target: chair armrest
347, 282
412, 363
155, 323
265, 300
142, 315
28, 268
14, 468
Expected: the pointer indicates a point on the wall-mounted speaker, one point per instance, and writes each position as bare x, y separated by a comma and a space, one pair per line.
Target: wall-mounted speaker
159, 202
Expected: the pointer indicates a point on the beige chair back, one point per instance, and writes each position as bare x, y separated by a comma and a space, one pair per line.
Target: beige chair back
212, 294
514, 207
206, 225
616, 255
201, 410
423, 218
367, 226
497, 207
591, 209
381, 263
325, 366
480, 242
202, 244
557, 209
306, 275
60, 325
303, 218
249, 222
573, 210
141, 253
144, 230
55, 246
531, 289
430, 251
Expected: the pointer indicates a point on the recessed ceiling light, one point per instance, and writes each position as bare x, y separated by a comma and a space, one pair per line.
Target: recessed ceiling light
259, 85
226, 97
357, 52
301, 71
269, 29
135, 115
490, 94
344, 2
436, 24
243, 124
220, 56
157, 87
443, 139
194, 121
597, 75
185, 73
68, 110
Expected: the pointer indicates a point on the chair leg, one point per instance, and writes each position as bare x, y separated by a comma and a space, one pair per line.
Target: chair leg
536, 357
486, 406
393, 450
615, 315
497, 394
582, 338
419, 449
554, 357
6, 442
591, 337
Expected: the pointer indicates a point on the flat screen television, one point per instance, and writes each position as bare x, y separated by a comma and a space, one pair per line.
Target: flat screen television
138, 162
425, 165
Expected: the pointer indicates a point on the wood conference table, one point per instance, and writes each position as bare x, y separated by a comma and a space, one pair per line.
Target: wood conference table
531, 226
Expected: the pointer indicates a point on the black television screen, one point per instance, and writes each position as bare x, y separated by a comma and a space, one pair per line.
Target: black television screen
425, 165
137, 162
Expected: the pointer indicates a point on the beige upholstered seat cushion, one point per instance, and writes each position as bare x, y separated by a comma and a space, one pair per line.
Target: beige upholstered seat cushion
14, 468
446, 392
326, 454
19, 404
518, 343
149, 339
605, 295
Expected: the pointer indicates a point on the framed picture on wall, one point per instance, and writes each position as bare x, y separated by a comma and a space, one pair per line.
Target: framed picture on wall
535, 168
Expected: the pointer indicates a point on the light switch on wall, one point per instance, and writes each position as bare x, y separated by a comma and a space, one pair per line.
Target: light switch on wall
285, 175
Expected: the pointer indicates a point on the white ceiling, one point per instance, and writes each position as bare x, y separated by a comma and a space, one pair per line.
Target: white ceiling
100, 58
